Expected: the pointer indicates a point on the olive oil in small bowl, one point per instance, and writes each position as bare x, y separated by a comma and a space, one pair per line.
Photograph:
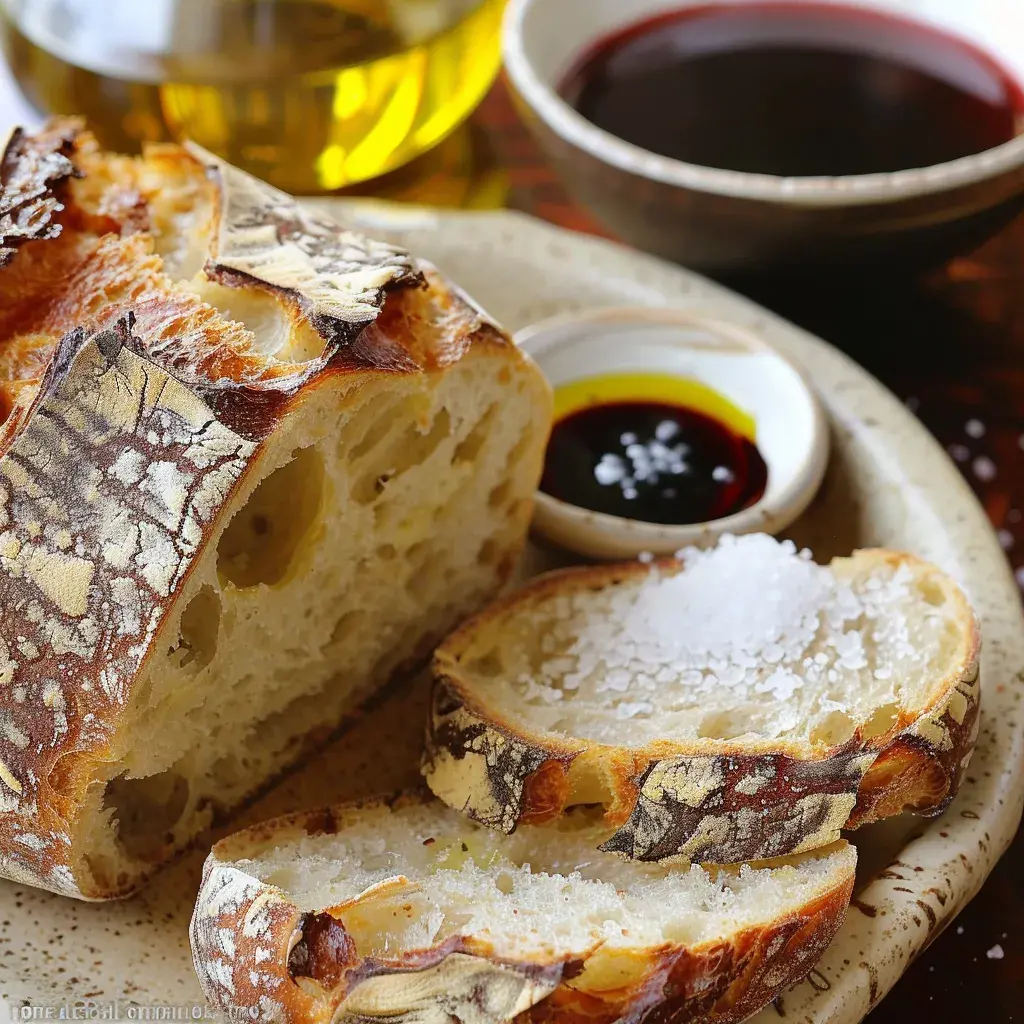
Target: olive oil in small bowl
311, 95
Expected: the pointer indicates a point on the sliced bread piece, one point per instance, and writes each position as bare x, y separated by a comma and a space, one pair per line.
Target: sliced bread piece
732, 705
405, 910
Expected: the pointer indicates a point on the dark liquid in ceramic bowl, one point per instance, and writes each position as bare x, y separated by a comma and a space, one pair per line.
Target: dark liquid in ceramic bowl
651, 461
796, 89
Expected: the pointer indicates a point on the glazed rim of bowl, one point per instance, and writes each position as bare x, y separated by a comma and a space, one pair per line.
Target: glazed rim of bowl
771, 512
822, 190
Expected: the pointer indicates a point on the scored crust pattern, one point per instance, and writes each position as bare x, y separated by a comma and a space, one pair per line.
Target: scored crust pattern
492, 765
709, 808
104, 498
723, 807
262, 236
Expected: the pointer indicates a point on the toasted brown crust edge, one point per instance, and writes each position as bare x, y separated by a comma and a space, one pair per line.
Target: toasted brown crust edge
711, 801
244, 934
33, 170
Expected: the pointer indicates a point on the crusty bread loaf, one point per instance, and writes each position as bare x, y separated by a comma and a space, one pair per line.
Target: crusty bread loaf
741, 703
250, 465
405, 910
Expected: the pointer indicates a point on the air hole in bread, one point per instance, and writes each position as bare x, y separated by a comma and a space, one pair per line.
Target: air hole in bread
263, 538
198, 631
932, 592
370, 424
487, 665
410, 448
146, 811
836, 727
469, 447
347, 625
387, 552
721, 726
276, 334
489, 552
499, 495
415, 552
521, 447
425, 576
369, 487
228, 770
416, 446
881, 721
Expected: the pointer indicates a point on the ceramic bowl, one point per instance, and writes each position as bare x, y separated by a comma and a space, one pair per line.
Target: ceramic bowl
732, 362
731, 223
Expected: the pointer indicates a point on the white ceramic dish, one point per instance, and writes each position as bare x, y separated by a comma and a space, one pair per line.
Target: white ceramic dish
723, 221
888, 483
792, 436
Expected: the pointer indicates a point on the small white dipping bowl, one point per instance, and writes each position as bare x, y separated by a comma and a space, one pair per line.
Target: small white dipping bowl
791, 432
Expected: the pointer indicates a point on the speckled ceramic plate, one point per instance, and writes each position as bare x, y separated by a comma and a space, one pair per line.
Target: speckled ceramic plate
888, 484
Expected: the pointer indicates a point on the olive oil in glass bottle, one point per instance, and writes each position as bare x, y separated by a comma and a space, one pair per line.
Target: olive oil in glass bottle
311, 95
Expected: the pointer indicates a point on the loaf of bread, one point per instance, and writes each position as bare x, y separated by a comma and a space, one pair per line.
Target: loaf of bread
251, 464
738, 704
406, 911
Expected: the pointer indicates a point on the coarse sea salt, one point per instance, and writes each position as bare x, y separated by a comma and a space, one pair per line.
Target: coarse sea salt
751, 634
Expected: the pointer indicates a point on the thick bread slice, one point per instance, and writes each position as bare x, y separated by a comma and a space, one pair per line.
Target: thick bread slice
740, 704
251, 464
404, 910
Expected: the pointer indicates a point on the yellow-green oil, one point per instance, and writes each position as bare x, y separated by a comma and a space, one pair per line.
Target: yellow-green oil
311, 95
665, 388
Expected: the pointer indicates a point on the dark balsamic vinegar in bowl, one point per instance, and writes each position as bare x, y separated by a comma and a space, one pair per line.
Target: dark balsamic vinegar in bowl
795, 89
652, 461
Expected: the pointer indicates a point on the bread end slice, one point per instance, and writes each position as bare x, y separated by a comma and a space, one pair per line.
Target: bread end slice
712, 777
402, 909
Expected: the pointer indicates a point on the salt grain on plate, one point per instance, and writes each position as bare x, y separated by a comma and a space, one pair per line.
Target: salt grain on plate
1005, 539
984, 468
960, 452
995, 953
974, 428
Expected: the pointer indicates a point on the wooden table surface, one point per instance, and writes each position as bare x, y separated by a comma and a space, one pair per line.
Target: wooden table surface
952, 347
